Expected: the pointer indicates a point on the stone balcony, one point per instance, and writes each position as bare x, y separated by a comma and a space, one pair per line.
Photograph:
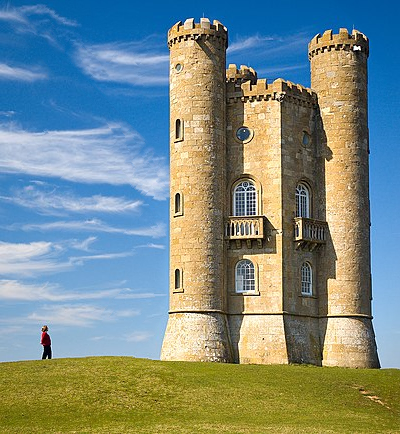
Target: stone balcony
309, 233
246, 228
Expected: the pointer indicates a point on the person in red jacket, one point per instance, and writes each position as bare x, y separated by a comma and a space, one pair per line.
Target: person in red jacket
46, 342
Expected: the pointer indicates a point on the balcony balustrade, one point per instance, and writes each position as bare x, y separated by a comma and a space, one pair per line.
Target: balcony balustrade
245, 228
309, 232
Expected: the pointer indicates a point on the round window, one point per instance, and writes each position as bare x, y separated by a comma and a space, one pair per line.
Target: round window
306, 138
178, 67
243, 134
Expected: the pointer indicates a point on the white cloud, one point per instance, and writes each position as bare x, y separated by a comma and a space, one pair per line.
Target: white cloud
13, 15
81, 259
111, 154
44, 10
78, 315
132, 295
151, 246
134, 63
30, 259
95, 225
137, 336
38, 21
37, 258
20, 291
49, 201
82, 245
284, 53
8, 113
248, 43
14, 73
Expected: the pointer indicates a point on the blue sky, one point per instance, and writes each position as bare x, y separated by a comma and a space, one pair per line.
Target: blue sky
84, 161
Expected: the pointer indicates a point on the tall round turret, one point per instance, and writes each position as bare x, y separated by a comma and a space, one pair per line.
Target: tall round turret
197, 326
339, 76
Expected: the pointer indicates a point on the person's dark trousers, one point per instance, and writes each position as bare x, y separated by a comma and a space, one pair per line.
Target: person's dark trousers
46, 351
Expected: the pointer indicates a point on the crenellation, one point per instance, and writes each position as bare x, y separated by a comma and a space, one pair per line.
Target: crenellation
262, 90
356, 41
190, 30
245, 73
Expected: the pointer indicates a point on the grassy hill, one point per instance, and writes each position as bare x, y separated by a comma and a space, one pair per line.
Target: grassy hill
122, 394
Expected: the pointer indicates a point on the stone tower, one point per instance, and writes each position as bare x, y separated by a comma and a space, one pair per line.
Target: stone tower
269, 210
339, 76
197, 327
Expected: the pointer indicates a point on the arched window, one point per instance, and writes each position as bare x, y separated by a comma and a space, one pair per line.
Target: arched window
178, 129
306, 279
178, 278
245, 199
177, 203
245, 276
302, 201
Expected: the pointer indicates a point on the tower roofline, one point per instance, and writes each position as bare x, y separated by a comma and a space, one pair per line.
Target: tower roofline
277, 90
344, 40
192, 30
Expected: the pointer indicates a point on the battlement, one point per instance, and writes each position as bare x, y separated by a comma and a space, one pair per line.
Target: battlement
191, 30
279, 90
245, 73
356, 41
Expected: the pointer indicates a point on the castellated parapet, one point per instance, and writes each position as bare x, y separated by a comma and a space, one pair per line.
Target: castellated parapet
191, 30
356, 41
269, 210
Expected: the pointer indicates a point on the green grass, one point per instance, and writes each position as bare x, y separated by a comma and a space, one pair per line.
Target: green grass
122, 394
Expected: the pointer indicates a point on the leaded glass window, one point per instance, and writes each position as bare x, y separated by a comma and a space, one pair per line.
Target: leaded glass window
245, 276
302, 201
306, 279
245, 199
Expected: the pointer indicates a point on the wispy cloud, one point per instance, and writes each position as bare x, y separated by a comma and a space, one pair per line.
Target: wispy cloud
47, 200
46, 11
13, 73
37, 258
250, 42
151, 246
8, 113
112, 154
79, 315
94, 225
136, 63
31, 259
36, 20
137, 336
82, 245
14, 15
20, 291
283, 53
103, 256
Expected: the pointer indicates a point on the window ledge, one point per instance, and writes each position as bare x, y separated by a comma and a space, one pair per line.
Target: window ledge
246, 293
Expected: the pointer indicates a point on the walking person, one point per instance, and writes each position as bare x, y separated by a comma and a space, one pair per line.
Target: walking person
46, 342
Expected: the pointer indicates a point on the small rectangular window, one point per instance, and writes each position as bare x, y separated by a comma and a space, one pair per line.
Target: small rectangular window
178, 280
178, 204
178, 130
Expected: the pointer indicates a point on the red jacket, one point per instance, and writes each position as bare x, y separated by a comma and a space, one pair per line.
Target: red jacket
45, 339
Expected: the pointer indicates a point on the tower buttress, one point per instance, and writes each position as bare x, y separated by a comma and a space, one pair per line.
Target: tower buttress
339, 76
197, 327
